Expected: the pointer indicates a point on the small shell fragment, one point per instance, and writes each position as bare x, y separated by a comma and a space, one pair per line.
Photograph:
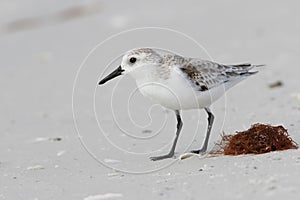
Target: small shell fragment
35, 167
187, 155
104, 196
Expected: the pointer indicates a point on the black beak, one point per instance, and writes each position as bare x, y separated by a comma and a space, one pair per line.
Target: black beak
112, 75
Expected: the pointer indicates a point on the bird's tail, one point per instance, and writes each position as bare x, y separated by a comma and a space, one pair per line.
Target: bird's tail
244, 69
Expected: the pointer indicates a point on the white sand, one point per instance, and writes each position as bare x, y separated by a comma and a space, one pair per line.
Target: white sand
41, 156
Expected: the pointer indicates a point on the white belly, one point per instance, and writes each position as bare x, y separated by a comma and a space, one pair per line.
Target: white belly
177, 93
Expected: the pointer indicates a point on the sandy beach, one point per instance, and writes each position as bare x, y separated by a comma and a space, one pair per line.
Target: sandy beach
64, 137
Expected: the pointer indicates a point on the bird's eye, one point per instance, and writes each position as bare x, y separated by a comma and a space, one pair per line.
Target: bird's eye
132, 60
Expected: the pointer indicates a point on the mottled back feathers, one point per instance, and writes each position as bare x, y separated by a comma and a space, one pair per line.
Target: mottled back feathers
204, 74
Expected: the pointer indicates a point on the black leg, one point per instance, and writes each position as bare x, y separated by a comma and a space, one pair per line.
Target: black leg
171, 153
210, 120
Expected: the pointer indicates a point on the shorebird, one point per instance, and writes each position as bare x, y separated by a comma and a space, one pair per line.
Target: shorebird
180, 83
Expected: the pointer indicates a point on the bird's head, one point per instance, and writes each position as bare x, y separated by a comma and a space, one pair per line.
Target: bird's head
133, 60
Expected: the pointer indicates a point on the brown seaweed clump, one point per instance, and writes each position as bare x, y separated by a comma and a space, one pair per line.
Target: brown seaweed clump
260, 138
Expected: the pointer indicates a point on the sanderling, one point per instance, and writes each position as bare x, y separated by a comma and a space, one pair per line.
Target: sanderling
180, 83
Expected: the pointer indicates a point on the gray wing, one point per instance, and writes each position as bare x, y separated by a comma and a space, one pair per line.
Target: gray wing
205, 74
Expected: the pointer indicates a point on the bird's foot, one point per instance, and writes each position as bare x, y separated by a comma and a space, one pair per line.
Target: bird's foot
199, 151
155, 158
